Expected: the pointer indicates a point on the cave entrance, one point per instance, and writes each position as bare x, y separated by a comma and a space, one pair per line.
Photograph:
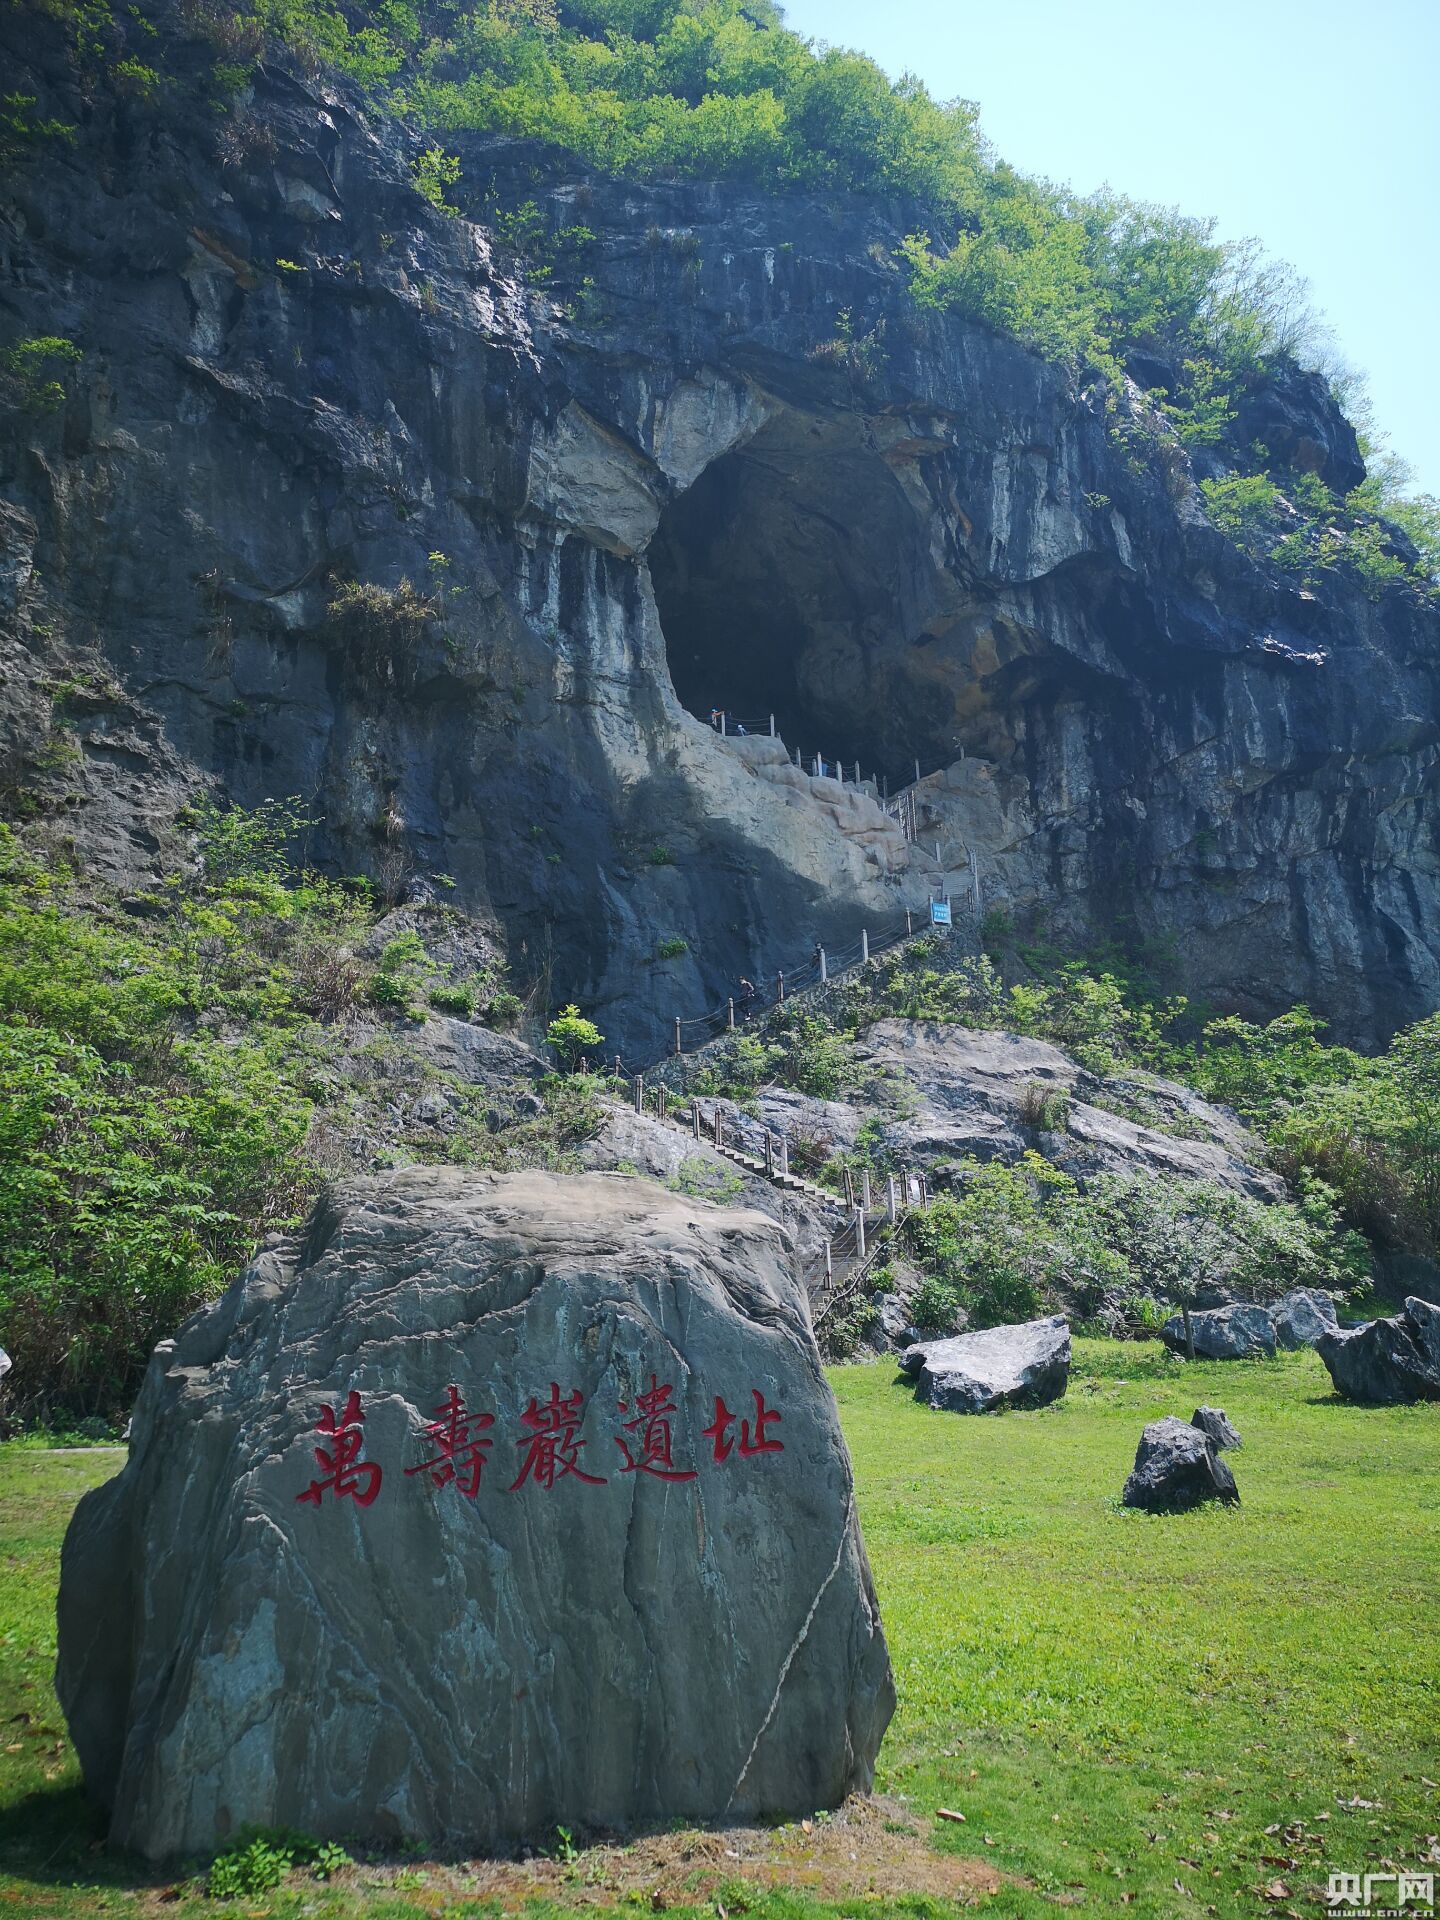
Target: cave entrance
790, 579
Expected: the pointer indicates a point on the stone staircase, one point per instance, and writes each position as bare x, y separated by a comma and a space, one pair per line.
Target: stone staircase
837, 1274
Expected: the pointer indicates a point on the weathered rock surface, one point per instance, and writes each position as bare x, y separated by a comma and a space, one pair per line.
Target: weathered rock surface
1302, 1316
1177, 1467
1390, 1361
973, 1085
1237, 1332
1215, 1424
1020, 1366
650, 483
479, 1642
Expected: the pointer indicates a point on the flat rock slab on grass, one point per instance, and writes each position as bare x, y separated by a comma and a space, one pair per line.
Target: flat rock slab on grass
1021, 1366
1390, 1361
1302, 1316
495, 1504
1224, 1333
1177, 1467
1215, 1425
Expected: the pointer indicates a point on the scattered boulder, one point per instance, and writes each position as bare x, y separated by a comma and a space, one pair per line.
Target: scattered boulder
1215, 1425
1224, 1333
1302, 1316
1020, 1366
1177, 1467
493, 1504
1389, 1361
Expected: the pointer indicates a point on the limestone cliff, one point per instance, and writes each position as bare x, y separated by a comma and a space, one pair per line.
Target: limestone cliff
342, 503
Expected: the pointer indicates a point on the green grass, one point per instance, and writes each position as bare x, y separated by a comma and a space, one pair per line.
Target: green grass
1116, 1703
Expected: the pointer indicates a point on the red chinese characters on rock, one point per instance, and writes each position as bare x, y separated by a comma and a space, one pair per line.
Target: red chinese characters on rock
552, 1449
551, 1446
752, 1440
462, 1443
345, 1475
653, 1410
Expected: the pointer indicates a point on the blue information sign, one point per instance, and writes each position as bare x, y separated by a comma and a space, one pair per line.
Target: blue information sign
939, 913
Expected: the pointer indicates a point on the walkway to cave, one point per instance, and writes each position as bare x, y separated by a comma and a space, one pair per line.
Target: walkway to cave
793, 579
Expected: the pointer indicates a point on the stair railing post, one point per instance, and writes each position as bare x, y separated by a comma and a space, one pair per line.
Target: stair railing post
784, 1157
865, 1188
860, 1232
857, 773
719, 1125
891, 1209
664, 1101
725, 728
730, 1016
917, 770
909, 924
772, 726
824, 973
780, 986
639, 1093
864, 947
695, 1116
849, 1187
677, 1036
769, 1155
829, 1266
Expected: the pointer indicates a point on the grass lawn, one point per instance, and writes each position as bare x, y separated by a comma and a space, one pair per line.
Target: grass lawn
1160, 1718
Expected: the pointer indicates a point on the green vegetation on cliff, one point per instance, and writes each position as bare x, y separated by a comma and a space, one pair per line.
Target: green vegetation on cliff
180, 1072
722, 89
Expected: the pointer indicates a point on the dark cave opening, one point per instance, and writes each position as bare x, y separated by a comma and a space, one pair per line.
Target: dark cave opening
793, 579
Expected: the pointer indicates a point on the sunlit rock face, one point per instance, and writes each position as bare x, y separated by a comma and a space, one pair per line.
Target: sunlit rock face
688, 483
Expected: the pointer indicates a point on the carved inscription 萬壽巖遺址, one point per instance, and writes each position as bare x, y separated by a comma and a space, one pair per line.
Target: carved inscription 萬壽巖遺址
550, 1447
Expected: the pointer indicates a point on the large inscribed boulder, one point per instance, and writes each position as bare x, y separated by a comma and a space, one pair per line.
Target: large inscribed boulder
493, 1504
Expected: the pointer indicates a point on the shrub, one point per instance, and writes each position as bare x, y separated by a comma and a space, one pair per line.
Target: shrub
703, 1180
1244, 506
572, 1036
32, 367
403, 975
433, 172
672, 948
258, 1862
454, 998
1013, 1241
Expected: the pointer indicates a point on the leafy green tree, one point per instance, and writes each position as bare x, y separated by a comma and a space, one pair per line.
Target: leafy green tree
573, 1037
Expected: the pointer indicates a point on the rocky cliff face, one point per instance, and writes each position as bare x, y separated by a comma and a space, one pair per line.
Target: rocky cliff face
343, 503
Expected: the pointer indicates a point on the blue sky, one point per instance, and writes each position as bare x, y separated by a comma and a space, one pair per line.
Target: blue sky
1314, 124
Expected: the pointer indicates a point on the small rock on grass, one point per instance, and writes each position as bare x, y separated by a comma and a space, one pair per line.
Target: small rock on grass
1177, 1467
1215, 1425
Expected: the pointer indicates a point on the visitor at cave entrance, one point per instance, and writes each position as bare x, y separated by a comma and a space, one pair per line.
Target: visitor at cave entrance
783, 577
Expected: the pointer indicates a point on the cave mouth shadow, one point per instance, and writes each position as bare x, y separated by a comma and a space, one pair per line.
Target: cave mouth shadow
793, 581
